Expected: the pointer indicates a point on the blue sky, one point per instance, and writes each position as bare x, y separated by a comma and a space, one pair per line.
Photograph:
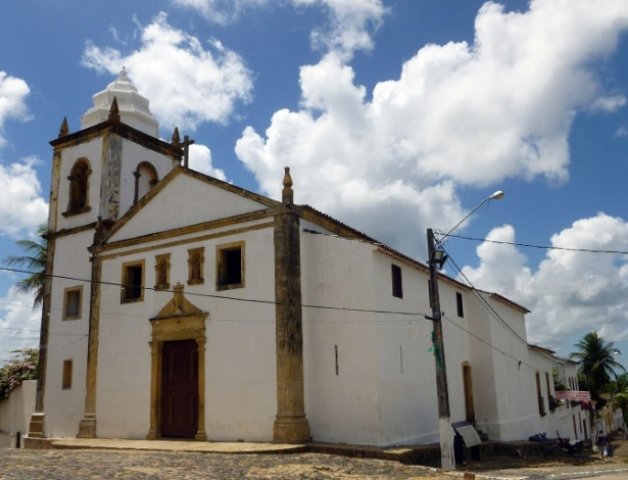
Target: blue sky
394, 116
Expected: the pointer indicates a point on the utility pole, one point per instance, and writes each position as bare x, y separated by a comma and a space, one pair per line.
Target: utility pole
447, 459
436, 256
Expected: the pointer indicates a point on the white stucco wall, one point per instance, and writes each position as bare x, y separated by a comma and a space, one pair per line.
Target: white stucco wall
92, 151
481, 363
457, 344
567, 419
67, 338
16, 411
517, 407
342, 406
408, 402
190, 201
401, 407
240, 382
134, 154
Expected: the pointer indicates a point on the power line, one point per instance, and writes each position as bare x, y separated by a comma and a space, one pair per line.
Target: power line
270, 302
222, 297
542, 247
23, 330
485, 303
519, 361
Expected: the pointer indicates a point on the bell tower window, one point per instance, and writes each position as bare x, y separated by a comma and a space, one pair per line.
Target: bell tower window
79, 188
145, 179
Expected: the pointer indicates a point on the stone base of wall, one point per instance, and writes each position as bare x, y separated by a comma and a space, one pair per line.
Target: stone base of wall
35, 443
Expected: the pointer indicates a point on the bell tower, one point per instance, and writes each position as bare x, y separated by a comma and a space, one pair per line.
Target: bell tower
98, 173
101, 165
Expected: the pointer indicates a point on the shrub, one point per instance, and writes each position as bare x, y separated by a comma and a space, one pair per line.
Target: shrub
23, 366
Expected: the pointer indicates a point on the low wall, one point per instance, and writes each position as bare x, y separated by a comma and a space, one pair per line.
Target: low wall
15, 413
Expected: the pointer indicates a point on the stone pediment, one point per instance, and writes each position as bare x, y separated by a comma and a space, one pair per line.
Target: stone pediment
178, 306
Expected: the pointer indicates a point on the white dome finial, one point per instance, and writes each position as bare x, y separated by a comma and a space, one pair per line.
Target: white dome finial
133, 107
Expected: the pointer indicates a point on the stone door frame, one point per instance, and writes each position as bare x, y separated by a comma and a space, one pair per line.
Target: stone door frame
177, 327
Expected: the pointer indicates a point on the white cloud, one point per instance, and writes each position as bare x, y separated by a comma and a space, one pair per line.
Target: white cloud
26, 209
19, 322
622, 131
571, 293
221, 12
459, 114
201, 161
350, 28
609, 103
341, 167
186, 83
351, 24
13, 93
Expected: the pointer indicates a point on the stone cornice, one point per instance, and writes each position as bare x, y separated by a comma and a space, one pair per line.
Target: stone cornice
122, 130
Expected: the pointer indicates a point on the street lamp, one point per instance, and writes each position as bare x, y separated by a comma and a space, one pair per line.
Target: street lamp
436, 260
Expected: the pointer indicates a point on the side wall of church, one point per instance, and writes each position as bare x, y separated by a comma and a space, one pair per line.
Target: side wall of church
517, 406
339, 345
406, 379
483, 365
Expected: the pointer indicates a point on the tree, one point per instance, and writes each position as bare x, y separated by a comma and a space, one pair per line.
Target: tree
597, 363
23, 366
34, 261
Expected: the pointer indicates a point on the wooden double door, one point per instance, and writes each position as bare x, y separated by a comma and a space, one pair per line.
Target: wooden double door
179, 389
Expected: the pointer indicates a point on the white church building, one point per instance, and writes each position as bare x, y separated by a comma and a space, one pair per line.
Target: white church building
182, 306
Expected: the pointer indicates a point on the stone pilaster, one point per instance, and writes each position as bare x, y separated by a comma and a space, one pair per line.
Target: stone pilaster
87, 425
110, 180
37, 426
201, 434
291, 425
154, 431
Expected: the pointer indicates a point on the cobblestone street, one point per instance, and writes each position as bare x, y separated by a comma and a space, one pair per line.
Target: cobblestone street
74, 459
130, 465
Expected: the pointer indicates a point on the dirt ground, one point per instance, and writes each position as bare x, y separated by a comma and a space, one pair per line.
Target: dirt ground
586, 458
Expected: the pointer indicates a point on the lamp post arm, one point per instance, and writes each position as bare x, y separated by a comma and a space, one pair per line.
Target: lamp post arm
495, 196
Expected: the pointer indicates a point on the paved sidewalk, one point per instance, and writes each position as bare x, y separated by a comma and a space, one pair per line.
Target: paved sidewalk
177, 446
412, 454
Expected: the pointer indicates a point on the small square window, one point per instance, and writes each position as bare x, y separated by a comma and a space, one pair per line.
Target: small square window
72, 303
67, 375
230, 266
459, 304
133, 282
196, 261
397, 284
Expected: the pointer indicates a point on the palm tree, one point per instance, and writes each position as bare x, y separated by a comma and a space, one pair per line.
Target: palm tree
34, 261
597, 363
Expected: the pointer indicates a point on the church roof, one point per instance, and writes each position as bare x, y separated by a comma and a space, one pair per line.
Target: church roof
133, 107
